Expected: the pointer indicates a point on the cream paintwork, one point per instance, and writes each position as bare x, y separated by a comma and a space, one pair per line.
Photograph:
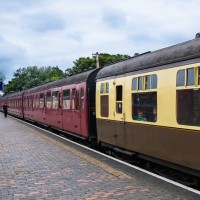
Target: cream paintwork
166, 97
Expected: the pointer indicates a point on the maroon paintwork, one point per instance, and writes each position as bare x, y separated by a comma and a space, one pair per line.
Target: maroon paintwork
79, 119
14, 101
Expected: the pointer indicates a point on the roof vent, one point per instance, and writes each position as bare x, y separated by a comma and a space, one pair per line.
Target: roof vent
136, 54
197, 35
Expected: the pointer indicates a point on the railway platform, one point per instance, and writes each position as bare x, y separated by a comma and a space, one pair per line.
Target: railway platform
35, 166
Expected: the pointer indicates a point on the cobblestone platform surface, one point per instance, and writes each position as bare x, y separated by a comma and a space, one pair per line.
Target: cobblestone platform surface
34, 167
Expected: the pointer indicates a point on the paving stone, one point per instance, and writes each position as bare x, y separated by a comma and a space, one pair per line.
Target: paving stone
33, 168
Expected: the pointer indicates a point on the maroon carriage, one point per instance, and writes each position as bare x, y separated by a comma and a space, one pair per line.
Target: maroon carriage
67, 104
14, 101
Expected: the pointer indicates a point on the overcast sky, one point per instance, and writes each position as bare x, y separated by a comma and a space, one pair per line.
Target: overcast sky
57, 32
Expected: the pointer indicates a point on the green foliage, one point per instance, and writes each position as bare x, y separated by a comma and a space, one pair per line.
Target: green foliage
25, 78
84, 64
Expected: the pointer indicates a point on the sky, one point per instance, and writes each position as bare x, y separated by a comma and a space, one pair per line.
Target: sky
57, 32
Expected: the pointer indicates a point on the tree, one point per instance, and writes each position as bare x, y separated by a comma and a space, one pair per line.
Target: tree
25, 78
84, 64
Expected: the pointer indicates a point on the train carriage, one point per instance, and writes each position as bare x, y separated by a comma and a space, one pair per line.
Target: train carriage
67, 104
2, 101
149, 106
14, 102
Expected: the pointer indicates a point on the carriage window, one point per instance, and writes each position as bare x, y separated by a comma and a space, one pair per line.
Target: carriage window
36, 101
153, 81
102, 88
107, 87
144, 106
55, 99
104, 99
119, 97
190, 76
27, 102
41, 100
66, 99
140, 83
199, 76
134, 84
77, 103
188, 107
73, 98
148, 82
33, 102
180, 80
48, 99
30, 102
82, 98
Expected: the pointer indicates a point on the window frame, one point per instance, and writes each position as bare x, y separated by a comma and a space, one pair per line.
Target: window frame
119, 99
187, 88
104, 97
49, 99
66, 102
55, 99
145, 108
41, 100
141, 85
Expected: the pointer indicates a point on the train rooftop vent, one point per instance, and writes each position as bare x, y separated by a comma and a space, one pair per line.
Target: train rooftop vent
197, 35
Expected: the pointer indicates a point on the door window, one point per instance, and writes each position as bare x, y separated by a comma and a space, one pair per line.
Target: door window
82, 98
41, 100
49, 100
55, 99
119, 99
66, 99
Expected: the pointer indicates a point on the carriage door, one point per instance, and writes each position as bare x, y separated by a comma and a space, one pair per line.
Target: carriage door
119, 111
76, 111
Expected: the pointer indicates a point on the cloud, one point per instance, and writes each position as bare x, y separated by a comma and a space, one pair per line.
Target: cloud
48, 32
114, 18
44, 22
11, 55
